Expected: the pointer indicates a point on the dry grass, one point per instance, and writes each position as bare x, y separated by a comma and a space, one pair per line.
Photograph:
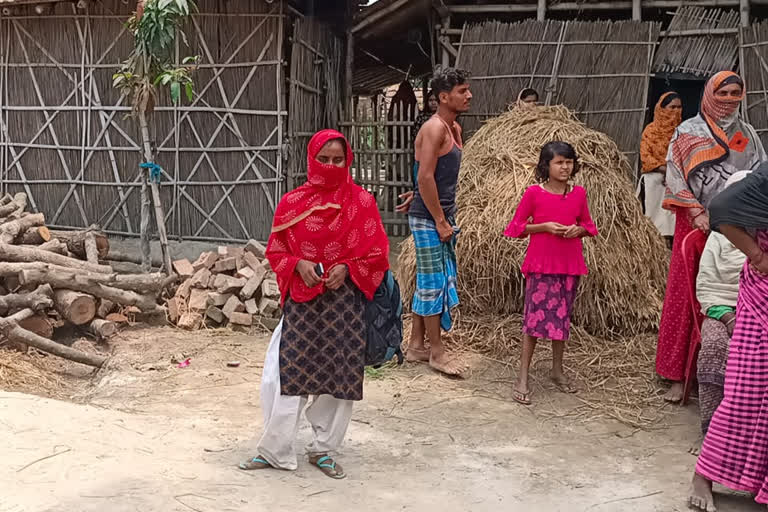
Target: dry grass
615, 377
30, 373
624, 291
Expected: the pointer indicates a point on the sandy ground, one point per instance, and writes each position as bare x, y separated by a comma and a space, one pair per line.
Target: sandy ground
144, 435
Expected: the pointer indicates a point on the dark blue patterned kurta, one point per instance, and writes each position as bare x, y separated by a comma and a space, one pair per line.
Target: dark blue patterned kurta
322, 348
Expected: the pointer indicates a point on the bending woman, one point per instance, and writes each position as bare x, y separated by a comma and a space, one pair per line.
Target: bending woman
330, 252
717, 290
735, 448
705, 151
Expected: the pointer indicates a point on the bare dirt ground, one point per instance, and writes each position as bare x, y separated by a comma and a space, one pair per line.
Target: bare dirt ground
145, 435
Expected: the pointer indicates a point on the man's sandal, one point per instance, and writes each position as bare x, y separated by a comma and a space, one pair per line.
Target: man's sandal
254, 464
329, 467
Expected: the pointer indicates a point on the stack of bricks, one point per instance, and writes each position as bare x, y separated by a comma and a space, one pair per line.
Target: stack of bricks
232, 286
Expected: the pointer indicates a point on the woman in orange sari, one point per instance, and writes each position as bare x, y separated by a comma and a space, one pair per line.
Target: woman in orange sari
704, 152
653, 156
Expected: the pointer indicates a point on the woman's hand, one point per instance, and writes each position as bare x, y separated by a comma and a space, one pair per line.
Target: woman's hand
701, 221
574, 231
336, 277
306, 270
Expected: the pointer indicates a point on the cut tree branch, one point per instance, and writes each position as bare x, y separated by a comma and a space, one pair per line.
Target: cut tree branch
10, 328
34, 255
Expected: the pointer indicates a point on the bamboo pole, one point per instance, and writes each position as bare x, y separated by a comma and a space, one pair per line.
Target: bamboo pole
637, 10
744, 12
145, 214
541, 10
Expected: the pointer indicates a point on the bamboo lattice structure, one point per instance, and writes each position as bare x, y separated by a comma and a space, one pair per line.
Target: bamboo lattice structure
600, 70
64, 140
699, 42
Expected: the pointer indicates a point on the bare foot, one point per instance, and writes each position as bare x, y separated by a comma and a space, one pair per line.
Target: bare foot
448, 364
701, 494
417, 355
675, 393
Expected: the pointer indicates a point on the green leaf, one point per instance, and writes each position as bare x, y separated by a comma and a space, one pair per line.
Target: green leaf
190, 60
175, 92
190, 91
163, 4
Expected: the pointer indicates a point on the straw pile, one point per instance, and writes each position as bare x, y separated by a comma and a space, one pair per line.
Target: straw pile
29, 373
623, 293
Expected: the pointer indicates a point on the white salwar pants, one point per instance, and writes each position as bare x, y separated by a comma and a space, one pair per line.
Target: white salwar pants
328, 416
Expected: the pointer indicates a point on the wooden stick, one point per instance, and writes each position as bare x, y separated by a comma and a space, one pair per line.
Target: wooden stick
131, 258
91, 251
142, 283
103, 329
75, 307
37, 235
17, 205
84, 283
75, 241
9, 231
24, 254
10, 328
54, 245
37, 300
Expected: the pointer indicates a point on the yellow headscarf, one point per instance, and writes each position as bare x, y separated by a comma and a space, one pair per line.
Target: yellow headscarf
656, 136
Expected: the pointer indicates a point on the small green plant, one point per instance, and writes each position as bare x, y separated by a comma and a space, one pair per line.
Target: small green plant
156, 26
381, 372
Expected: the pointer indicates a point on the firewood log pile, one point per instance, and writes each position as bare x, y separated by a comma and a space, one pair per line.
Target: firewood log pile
49, 279
233, 286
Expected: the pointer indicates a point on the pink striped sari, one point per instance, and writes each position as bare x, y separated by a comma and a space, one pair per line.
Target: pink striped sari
735, 449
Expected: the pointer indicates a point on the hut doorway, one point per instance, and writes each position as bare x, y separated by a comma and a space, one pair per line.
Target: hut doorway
689, 87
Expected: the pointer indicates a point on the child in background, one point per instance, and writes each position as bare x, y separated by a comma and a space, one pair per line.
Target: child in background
556, 216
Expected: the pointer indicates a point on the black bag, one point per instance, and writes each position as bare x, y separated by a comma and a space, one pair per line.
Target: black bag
384, 321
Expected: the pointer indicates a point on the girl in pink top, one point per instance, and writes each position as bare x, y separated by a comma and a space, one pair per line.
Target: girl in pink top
556, 216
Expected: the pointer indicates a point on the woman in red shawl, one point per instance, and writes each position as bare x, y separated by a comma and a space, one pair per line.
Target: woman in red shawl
330, 252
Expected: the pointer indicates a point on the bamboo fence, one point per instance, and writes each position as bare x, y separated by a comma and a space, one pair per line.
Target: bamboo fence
699, 42
315, 90
384, 168
600, 70
754, 68
64, 138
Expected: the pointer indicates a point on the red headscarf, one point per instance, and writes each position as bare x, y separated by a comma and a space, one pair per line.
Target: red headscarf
328, 220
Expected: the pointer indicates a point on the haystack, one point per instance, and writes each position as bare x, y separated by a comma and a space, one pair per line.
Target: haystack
623, 293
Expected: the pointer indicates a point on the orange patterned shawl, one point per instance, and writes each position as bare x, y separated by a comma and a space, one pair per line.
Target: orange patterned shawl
656, 136
700, 142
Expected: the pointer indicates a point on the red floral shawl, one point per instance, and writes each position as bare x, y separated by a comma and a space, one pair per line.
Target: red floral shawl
328, 220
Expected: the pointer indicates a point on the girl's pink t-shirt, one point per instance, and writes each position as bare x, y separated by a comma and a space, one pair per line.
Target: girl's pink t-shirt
547, 253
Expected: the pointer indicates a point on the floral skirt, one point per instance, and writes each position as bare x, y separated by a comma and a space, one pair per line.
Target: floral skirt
548, 304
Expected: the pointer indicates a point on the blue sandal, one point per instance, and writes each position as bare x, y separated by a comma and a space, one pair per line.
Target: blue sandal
331, 470
254, 463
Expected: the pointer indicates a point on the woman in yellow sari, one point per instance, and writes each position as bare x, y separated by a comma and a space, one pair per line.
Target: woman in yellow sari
653, 156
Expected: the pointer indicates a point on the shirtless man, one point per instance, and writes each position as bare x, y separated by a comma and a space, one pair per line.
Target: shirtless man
431, 214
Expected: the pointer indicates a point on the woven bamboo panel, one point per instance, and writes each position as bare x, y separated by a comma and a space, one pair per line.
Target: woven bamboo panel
600, 70
700, 42
754, 68
66, 141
